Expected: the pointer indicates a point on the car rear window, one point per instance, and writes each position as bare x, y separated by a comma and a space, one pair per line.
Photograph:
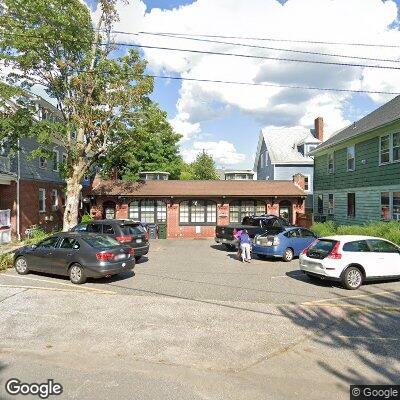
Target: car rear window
321, 248
132, 229
100, 241
359, 246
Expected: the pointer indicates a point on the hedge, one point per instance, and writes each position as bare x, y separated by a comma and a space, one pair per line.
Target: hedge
386, 230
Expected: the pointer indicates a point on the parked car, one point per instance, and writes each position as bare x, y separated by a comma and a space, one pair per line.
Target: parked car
351, 260
127, 232
285, 242
254, 225
81, 227
77, 255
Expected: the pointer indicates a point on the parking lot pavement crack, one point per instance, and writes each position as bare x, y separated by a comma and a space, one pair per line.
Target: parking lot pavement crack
12, 295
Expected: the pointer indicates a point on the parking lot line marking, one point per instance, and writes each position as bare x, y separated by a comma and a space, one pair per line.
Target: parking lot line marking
352, 297
61, 283
78, 290
393, 339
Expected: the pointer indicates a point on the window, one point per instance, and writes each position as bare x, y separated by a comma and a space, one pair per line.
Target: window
96, 228
351, 205
150, 211
64, 158
108, 230
384, 149
100, 241
306, 183
294, 233
306, 233
73, 135
331, 204
331, 163
42, 162
351, 162
382, 246
396, 147
320, 203
54, 198
48, 243
396, 206
42, 200
385, 206
359, 246
239, 209
69, 243
56, 160
197, 212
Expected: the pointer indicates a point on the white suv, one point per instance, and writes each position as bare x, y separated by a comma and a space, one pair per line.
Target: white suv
351, 259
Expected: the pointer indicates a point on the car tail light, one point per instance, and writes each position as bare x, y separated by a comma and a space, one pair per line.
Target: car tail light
124, 239
306, 249
335, 253
131, 251
105, 256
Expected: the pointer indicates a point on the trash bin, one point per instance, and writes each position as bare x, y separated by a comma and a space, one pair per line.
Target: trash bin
152, 231
162, 231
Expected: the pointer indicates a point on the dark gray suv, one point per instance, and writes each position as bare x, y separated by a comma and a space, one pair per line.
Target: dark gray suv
127, 232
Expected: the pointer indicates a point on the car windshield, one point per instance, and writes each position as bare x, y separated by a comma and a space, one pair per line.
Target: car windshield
100, 241
322, 247
132, 229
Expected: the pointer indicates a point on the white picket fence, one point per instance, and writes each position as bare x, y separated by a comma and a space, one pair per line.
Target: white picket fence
5, 226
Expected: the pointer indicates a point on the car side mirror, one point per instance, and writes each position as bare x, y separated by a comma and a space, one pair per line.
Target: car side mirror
75, 247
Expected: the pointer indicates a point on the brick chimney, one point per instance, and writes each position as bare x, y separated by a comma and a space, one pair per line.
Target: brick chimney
319, 128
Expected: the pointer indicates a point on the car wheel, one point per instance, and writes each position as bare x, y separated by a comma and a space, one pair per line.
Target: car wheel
352, 278
137, 258
77, 274
288, 255
21, 266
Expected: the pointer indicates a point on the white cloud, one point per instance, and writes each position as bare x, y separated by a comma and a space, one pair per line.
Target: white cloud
359, 21
223, 152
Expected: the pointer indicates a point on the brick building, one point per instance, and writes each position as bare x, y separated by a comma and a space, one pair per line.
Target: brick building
193, 208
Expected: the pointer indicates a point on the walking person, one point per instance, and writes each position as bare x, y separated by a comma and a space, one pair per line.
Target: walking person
245, 241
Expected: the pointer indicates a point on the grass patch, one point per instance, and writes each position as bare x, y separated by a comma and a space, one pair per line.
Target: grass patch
386, 230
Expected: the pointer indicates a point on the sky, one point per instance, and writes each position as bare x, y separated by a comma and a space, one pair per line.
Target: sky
225, 119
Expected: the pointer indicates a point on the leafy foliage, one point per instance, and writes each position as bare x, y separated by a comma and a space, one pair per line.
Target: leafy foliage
387, 230
203, 168
6, 261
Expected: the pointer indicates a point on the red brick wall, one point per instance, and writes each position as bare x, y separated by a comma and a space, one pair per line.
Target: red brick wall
175, 230
50, 220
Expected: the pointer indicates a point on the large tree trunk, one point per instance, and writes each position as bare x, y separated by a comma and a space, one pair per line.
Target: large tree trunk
73, 192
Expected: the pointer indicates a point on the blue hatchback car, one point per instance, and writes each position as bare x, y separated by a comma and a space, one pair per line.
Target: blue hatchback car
285, 243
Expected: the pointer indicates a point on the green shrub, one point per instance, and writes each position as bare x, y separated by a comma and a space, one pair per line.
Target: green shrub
86, 218
6, 261
38, 235
386, 230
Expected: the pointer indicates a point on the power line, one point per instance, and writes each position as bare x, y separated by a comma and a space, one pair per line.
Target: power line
336, 63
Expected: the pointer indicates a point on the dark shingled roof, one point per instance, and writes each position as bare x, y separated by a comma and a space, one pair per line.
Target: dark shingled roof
197, 188
385, 114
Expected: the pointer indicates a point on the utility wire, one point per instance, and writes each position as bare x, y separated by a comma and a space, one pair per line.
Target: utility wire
336, 63
272, 85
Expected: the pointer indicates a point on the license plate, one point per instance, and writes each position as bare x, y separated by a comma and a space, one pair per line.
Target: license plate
138, 240
120, 257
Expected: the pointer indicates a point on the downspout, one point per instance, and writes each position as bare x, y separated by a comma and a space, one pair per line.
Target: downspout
18, 190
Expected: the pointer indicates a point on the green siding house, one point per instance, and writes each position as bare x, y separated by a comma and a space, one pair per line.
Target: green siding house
357, 170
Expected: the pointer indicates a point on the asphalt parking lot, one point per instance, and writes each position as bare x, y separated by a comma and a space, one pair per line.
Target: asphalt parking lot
192, 322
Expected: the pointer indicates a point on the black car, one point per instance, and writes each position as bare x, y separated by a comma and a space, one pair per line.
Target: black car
127, 232
77, 255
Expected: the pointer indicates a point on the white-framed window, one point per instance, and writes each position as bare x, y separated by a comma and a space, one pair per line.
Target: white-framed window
396, 147
54, 198
331, 204
384, 149
197, 212
331, 163
42, 200
56, 160
351, 158
42, 162
396, 206
307, 182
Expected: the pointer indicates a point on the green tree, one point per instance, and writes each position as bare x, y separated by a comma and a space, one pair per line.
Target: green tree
53, 43
153, 146
203, 168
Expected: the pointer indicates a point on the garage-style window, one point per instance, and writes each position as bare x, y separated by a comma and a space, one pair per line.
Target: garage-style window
197, 212
150, 211
239, 209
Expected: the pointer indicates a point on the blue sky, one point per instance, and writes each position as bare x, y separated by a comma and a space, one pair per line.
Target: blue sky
226, 120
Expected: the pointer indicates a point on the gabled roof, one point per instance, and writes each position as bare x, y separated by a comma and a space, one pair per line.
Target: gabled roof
383, 115
282, 145
192, 189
